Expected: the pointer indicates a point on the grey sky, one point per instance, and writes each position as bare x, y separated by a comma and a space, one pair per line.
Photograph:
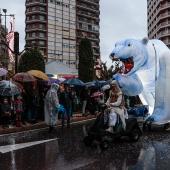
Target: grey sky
119, 19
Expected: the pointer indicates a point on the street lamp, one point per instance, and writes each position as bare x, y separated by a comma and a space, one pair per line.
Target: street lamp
5, 55
5, 11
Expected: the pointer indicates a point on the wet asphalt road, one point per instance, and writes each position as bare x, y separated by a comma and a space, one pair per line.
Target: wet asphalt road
65, 150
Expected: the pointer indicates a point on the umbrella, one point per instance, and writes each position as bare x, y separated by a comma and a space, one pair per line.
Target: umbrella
106, 87
3, 72
50, 75
108, 82
53, 80
7, 88
20, 86
61, 79
39, 74
24, 77
99, 83
90, 84
73, 81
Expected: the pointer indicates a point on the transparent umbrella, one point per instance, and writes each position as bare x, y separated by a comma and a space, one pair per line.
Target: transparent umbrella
7, 88
3, 72
24, 77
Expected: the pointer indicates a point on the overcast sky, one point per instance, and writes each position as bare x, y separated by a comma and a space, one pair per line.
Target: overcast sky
119, 19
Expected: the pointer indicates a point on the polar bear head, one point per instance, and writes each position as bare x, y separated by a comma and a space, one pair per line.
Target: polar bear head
132, 52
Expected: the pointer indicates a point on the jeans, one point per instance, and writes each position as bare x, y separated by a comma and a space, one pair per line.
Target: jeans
84, 106
32, 113
62, 110
68, 111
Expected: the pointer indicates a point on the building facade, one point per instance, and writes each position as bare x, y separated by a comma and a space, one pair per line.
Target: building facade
87, 22
3, 49
158, 12
54, 27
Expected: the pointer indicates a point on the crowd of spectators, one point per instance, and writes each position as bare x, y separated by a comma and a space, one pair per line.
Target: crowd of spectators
28, 107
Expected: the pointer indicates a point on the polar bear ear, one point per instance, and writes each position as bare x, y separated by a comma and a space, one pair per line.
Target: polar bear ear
145, 40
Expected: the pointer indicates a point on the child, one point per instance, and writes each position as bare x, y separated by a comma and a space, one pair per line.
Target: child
5, 112
19, 110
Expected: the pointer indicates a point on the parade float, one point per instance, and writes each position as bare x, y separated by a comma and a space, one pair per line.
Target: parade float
144, 67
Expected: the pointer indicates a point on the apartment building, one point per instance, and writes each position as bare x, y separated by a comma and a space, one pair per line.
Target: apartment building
87, 13
158, 12
3, 50
55, 27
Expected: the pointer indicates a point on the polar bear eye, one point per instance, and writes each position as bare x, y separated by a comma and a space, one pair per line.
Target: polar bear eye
129, 45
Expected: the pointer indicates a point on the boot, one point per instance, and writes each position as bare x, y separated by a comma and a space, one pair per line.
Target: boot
110, 129
51, 129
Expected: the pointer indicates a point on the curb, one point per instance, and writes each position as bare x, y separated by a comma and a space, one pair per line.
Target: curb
42, 125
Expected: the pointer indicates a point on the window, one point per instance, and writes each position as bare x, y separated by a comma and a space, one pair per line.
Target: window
42, 9
42, 34
34, 8
51, 43
33, 25
33, 34
42, 42
58, 44
42, 26
42, 17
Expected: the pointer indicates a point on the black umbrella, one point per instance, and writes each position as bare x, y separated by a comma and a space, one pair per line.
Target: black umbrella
73, 81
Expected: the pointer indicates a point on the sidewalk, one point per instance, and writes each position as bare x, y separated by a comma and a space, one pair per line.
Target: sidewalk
41, 124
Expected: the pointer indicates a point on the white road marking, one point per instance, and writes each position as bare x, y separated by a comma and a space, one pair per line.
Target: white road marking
9, 148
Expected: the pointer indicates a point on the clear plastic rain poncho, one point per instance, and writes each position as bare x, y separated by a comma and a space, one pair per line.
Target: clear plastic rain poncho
50, 104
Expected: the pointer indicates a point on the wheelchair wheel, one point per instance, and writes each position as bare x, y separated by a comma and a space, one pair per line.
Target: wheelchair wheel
135, 135
104, 144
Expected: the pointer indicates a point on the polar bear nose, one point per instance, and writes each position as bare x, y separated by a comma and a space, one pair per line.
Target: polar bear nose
112, 56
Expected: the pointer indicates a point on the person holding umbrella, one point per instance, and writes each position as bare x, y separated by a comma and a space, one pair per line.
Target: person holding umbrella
66, 98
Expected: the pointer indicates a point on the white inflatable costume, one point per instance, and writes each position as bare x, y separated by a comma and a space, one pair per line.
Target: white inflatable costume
145, 72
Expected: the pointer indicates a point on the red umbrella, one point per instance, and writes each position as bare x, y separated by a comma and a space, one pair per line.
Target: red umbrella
24, 77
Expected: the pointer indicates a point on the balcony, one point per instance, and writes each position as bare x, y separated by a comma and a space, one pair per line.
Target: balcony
88, 7
35, 38
87, 14
164, 34
34, 2
87, 29
86, 21
93, 2
36, 19
39, 28
36, 11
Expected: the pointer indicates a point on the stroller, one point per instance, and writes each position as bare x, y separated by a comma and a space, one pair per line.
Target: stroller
98, 131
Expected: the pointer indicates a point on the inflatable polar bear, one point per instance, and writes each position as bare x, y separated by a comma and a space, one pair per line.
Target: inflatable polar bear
145, 72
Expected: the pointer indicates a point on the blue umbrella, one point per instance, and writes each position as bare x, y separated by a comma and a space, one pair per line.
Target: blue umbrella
90, 84
53, 80
74, 81
108, 82
50, 75
7, 88
99, 83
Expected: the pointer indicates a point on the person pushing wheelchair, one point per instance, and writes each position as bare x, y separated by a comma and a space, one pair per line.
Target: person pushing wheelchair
115, 107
